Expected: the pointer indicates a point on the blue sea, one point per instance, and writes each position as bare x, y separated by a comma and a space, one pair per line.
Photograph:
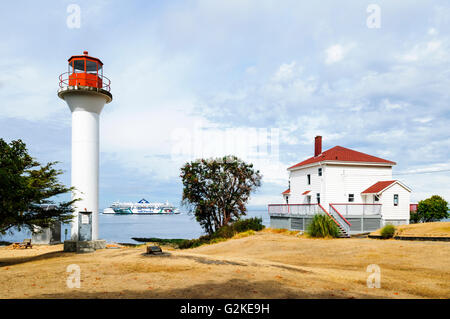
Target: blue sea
121, 228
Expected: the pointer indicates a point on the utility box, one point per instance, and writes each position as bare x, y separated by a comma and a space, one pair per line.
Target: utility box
47, 236
84, 226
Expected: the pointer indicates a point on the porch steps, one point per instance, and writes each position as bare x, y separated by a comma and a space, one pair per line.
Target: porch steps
343, 233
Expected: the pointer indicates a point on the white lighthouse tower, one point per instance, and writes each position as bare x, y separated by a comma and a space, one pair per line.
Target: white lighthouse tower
86, 91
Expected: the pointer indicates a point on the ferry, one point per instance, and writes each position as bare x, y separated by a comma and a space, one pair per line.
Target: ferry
142, 207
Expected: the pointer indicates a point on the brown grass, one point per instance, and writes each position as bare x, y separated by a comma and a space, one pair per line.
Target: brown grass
437, 229
282, 231
264, 265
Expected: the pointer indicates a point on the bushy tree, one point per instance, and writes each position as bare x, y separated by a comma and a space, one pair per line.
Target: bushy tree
432, 209
217, 190
26, 189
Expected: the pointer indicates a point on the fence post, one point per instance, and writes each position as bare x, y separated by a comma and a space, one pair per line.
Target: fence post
362, 221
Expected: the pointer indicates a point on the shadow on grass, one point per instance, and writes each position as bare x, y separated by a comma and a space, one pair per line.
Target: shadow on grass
24, 259
231, 289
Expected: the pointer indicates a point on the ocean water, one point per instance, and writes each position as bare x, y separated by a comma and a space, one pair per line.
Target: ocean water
121, 228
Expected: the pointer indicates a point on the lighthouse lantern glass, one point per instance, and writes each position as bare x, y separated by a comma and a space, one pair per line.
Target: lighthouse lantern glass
91, 66
78, 66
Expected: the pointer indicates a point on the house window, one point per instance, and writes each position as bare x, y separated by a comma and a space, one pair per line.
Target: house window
287, 199
395, 199
320, 171
351, 197
318, 198
376, 198
309, 179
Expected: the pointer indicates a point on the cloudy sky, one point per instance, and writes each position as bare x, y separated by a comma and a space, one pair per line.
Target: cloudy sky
256, 78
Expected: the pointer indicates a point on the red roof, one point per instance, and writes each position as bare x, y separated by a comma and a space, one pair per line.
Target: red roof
287, 191
378, 187
305, 192
342, 154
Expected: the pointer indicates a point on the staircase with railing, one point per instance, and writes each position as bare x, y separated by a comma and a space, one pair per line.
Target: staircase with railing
343, 224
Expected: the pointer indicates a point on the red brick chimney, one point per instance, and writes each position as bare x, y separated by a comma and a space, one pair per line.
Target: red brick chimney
317, 145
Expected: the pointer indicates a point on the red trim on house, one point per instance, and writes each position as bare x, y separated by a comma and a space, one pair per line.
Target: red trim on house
378, 187
329, 215
305, 192
354, 204
287, 191
289, 204
340, 215
342, 154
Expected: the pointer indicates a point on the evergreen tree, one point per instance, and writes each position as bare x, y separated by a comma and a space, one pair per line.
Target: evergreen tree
26, 189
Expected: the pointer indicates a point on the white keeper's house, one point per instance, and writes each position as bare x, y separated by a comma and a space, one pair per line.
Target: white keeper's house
355, 189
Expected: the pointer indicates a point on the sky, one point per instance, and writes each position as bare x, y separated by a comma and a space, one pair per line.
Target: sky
259, 79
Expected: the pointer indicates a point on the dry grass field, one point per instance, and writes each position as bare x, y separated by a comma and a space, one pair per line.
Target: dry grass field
267, 264
437, 229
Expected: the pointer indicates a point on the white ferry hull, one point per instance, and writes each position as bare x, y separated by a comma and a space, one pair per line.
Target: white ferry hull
143, 207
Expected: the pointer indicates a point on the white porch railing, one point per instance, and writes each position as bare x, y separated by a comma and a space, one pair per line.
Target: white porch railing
350, 209
294, 209
309, 210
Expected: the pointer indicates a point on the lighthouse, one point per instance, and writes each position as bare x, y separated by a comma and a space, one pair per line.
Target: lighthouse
86, 91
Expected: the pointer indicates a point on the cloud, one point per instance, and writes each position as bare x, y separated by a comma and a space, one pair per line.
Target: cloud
27, 91
337, 52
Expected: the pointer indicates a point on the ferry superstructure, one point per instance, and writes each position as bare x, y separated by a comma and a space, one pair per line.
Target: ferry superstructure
142, 207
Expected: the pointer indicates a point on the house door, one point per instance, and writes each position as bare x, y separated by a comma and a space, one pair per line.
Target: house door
308, 199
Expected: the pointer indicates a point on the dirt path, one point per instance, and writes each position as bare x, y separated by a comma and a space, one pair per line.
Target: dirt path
265, 265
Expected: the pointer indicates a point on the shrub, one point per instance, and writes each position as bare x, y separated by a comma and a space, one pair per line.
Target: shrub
248, 224
323, 226
388, 231
413, 217
226, 231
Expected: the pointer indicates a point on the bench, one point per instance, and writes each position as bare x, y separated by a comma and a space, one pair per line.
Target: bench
25, 244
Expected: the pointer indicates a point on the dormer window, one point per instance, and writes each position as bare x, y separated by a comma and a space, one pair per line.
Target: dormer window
376, 198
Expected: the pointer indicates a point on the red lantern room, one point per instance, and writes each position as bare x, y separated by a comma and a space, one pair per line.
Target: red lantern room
85, 71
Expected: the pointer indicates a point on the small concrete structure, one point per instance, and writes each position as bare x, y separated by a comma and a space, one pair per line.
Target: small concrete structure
84, 246
47, 236
154, 250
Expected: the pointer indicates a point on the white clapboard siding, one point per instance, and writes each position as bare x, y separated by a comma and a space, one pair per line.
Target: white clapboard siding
342, 180
391, 212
